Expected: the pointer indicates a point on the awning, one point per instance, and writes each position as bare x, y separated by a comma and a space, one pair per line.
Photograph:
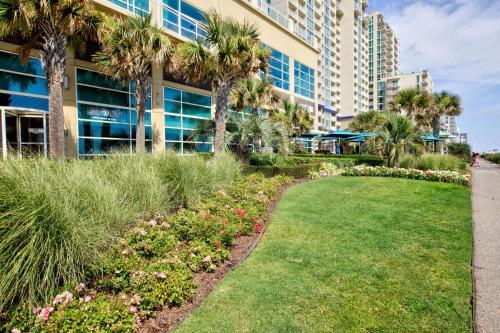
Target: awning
430, 138
324, 108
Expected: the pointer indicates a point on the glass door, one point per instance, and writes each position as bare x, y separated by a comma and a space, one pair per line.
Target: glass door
32, 136
12, 133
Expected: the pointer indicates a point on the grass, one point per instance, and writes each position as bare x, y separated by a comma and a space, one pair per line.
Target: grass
495, 158
57, 218
353, 255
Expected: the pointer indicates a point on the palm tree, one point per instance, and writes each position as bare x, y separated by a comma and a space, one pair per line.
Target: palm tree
231, 52
404, 101
444, 104
295, 118
50, 26
365, 122
253, 94
130, 49
396, 136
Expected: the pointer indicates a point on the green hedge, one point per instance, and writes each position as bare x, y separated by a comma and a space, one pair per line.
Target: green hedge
296, 171
495, 158
280, 160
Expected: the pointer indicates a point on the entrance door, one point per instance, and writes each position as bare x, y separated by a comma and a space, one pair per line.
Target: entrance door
25, 134
32, 136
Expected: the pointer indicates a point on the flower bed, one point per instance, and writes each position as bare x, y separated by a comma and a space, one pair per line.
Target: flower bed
155, 263
429, 175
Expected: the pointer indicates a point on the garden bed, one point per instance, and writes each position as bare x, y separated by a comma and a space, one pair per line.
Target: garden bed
160, 264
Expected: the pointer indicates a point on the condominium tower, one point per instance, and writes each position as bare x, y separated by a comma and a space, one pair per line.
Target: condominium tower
420, 80
383, 59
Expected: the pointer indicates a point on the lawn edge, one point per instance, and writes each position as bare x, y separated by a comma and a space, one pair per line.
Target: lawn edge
171, 317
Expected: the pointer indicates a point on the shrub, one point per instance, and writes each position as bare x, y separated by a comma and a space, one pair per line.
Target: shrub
460, 150
495, 158
280, 160
58, 218
430, 162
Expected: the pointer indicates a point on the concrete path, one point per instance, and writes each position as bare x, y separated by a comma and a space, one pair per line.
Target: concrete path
486, 262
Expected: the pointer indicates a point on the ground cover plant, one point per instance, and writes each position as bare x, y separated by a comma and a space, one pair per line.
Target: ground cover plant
348, 254
57, 217
154, 263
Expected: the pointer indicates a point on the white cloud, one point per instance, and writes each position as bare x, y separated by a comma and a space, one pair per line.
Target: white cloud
458, 40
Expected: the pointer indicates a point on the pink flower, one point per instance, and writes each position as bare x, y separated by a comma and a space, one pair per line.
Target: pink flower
123, 297
217, 243
152, 223
136, 299
165, 225
206, 260
15, 330
193, 255
37, 309
45, 313
80, 287
58, 299
259, 228
87, 298
142, 232
223, 194
133, 309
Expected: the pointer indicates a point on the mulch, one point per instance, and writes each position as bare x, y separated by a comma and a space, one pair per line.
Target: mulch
205, 282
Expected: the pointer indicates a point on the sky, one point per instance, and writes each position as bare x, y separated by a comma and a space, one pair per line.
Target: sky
458, 41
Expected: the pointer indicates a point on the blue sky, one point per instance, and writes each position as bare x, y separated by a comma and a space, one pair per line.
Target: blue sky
459, 42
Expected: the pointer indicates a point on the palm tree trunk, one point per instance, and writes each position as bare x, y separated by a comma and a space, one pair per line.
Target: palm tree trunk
53, 58
222, 92
436, 127
141, 94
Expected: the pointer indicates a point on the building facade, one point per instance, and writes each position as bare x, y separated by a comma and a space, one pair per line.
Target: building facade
383, 59
100, 112
421, 80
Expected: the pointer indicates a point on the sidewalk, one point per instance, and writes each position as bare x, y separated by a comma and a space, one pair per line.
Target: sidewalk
486, 261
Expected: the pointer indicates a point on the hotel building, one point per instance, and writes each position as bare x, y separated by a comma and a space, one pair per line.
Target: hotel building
420, 80
383, 59
100, 112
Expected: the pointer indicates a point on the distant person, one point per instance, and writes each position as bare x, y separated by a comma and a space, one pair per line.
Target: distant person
475, 160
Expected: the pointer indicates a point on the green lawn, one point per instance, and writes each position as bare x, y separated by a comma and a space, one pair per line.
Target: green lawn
353, 255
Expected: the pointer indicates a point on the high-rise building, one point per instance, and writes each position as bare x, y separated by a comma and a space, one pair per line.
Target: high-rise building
418, 80
383, 59
353, 58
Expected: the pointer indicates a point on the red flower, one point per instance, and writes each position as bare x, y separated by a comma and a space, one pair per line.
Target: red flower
226, 223
258, 228
217, 243
240, 212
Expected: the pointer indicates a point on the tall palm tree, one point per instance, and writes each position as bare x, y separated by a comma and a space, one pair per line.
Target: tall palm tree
50, 26
396, 136
444, 104
296, 119
130, 49
231, 52
254, 94
365, 122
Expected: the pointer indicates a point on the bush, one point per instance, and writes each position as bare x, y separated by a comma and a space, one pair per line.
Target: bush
495, 158
153, 264
297, 172
460, 150
57, 218
280, 160
429, 162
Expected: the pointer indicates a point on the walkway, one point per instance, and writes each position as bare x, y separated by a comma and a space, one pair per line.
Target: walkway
486, 263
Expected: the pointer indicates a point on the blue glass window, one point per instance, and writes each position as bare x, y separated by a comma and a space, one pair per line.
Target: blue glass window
106, 114
303, 80
178, 14
139, 7
22, 85
279, 69
184, 110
